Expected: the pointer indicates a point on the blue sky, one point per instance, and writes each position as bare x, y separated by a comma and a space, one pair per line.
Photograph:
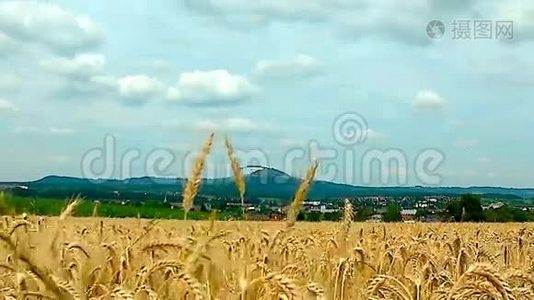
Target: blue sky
274, 75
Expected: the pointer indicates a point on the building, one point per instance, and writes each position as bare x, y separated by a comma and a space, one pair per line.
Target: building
317, 206
494, 205
376, 218
408, 214
194, 207
432, 218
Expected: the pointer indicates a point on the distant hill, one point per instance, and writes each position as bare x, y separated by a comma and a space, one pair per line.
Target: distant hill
265, 182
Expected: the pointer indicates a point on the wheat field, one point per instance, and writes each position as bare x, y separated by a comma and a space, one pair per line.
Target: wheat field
97, 258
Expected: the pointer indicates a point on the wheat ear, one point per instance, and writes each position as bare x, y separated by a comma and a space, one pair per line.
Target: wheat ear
193, 183
300, 195
348, 215
69, 209
236, 170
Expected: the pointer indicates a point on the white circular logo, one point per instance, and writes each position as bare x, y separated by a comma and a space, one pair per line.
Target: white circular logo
350, 129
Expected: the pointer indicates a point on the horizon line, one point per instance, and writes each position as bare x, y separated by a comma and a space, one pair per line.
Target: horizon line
319, 180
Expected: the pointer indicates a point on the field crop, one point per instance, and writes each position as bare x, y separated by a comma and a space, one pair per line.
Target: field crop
95, 258
98, 258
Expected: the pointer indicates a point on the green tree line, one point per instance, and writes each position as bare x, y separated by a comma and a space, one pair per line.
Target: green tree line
12, 205
469, 209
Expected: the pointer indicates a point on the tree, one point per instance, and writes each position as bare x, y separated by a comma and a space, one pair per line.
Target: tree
520, 216
421, 214
472, 208
5, 208
454, 210
506, 214
314, 216
393, 213
502, 214
332, 216
466, 209
363, 213
301, 216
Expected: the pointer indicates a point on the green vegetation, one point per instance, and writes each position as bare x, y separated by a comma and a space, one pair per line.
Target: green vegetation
507, 214
469, 209
364, 213
314, 216
393, 213
52, 207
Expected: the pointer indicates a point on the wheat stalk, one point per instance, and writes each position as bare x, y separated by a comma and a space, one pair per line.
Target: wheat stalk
236, 170
69, 209
193, 183
139, 259
300, 195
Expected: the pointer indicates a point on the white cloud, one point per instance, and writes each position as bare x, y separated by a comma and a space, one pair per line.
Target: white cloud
104, 80
236, 124
402, 21
484, 160
374, 135
428, 100
6, 106
210, 87
48, 24
384, 19
43, 131
260, 12
9, 82
138, 87
60, 131
299, 66
230, 124
84, 76
465, 143
80, 66
521, 14
27, 129
6, 43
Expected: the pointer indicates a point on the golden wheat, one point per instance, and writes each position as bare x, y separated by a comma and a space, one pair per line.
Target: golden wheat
263, 260
93, 258
193, 183
236, 170
300, 195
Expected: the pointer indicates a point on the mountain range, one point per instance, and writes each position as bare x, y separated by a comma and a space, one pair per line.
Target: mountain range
263, 183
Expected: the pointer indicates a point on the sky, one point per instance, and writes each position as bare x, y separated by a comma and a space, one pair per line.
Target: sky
131, 88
